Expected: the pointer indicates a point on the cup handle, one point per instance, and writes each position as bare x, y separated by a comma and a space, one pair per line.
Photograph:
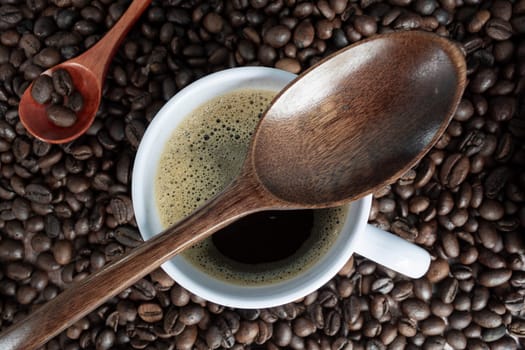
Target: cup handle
393, 252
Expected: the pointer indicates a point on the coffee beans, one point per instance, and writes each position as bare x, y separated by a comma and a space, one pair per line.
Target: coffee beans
415, 309
277, 36
491, 278
486, 318
61, 116
150, 312
62, 82
42, 89
66, 210
498, 29
60, 91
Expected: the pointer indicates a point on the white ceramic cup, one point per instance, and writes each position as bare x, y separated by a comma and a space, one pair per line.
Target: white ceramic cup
356, 235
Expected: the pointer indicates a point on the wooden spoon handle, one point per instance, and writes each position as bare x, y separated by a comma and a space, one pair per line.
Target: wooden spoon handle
78, 300
98, 57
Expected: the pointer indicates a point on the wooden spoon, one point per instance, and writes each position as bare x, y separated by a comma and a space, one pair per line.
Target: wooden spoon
87, 72
353, 123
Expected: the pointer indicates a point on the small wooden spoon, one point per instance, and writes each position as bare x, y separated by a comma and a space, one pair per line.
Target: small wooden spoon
87, 72
353, 123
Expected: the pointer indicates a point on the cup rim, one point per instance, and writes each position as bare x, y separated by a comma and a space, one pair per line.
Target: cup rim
192, 279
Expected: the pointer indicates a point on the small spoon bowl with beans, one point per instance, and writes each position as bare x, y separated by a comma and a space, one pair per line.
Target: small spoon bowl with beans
61, 104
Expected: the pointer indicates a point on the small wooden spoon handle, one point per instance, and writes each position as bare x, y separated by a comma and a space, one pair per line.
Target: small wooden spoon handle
98, 57
78, 300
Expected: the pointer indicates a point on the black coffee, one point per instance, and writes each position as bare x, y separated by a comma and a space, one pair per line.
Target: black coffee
204, 154
258, 238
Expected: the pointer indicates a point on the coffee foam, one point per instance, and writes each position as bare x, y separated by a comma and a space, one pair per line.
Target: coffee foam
204, 154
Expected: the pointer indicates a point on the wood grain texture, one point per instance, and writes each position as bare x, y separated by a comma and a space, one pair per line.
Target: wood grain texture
88, 72
346, 127
361, 118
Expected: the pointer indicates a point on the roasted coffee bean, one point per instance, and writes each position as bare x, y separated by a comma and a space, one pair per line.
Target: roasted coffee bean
407, 327
179, 296
62, 82
441, 309
504, 343
491, 210
460, 319
18, 271
170, 321
445, 203
42, 88
517, 328
487, 234
379, 307
483, 80
480, 298
454, 170
415, 309
438, 270
462, 201
450, 244
61, 116
150, 312
402, 290
134, 131
11, 250
371, 328
105, 339
514, 302
490, 259
472, 331
365, 25
121, 208
492, 334
75, 101
332, 323
47, 57
62, 252
498, 29
456, 339
277, 36
9, 15
191, 315
77, 184
128, 236
434, 342
461, 272
38, 194
213, 22
47, 262
493, 278
351, 309
383, 285
303, 327
144, 289
433, 325
304, 34
486, 318
477, 344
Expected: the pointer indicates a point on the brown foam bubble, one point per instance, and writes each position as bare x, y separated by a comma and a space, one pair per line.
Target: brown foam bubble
204, 154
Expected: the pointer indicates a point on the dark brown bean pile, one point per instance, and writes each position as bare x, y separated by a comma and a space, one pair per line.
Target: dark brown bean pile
59, 94
65, 211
